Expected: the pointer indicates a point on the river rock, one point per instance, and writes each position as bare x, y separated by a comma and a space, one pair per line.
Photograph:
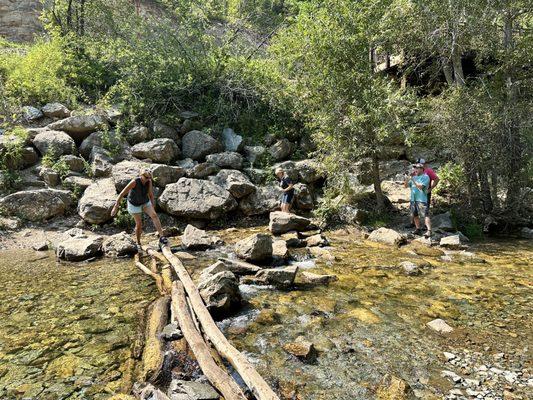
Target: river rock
58, 142
171, 332
162, 150
74, 163
137, 134
316, 279
119, 245
386, 236
194, 198
213, 269
454, 242
190, 390
202, 170
282, 278
228, 159
281, 150
235, 182
165, 174
316, 240
239, 267
442, 222
424, 249
197, 145
440, 326
220, 293
257, 247
231, 140
303, 350
198, 239
282, 222
80, 247
31, 113
36, 205
280, 251
162, 130
97, 202
124, 171
303, 200
263, 200
252, 153
526, 233
410, 268
55, 110
308, 170
80, 126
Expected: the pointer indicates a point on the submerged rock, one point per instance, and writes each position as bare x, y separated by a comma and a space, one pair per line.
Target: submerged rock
303, 350
316, 279
282, 278
281, 222
386, 236
257, 247
240, 267
198, 239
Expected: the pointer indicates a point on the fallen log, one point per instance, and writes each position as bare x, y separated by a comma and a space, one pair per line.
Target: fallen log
166, 275
153, 354
240, 267
216, 375
251, 377
147, 271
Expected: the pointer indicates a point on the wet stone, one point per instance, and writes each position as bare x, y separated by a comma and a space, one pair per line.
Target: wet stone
193, 391
171, 332
303, 350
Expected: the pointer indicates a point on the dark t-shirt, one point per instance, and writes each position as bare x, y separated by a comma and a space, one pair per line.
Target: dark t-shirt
284, 183
139, 194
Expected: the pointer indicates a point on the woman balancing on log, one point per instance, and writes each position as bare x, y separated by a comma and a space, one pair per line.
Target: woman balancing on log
141, 199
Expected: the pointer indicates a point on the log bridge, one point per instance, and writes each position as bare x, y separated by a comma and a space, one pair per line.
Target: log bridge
203, 337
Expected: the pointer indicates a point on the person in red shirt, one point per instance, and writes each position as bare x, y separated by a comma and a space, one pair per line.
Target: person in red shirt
433, 178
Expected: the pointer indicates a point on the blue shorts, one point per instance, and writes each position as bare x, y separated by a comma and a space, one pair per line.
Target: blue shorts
137, 209
287, 197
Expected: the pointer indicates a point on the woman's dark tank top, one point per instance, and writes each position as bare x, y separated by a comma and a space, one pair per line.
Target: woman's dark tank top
139, 194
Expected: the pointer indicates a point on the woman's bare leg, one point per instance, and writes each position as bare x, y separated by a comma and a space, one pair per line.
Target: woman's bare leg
149, 210
138, 226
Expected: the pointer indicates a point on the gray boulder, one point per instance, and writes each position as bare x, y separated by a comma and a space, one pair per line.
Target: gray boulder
221, 293
123, 172
198, 239
79, 247
202, 170
75, 182
36, 205
282, 278
261, 201
119, 245
190, 390
454, 242
58, 142
303, 200
97, 202
289, 167
56, 110
316, 279
238, 267
197, 145
281, 150
165, 174
255, 248
282, 222
308, 170
213, 269
252, 153
442, 222
280, 250
137, 134
387, 236
162, 130
101, 162
440, 326
186, 163
74, 163
194, 198
256, 175
228, 159
80, 126
106, 140
235, 182
231, 140
410, 268
31, 113
49, 176
161, 150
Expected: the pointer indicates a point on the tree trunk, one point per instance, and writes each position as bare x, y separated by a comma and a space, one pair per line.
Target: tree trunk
153, 354
448, 72
486, 197
376, 179
457, 63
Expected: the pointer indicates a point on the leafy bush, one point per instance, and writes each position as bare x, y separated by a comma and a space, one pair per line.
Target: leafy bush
452, 184
123, 219
11, 149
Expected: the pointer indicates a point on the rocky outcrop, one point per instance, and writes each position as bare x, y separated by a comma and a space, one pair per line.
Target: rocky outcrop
198, 239
58, 142
80, 126
386, 236
231, 140
36, 205
261, 201
119, 245
165, 174
228, 159
197, 145
282, 222
55, 110
235, 182
281, 150
255, 248
79, 247
162, 150
221, 293
194, 198
97, 202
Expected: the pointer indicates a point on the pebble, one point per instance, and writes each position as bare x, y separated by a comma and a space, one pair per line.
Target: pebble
449, 356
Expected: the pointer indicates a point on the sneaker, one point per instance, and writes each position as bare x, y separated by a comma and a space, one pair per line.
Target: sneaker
139, 247
163, 241
417, 232
428, 234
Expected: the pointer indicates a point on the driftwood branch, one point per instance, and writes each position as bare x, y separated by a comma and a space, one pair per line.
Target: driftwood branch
218, 377
153, 354
147, 271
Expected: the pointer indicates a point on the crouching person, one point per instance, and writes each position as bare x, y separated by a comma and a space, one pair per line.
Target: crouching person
140, 198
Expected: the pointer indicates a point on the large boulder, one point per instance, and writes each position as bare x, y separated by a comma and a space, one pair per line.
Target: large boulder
228, 159
75, 182
443, 222
165, 174
252, 153
387, 236
197, 145
282, 222
80, 126
303, 200
194, 198
202, 170
80, 247
162, 130
235, 182
221, 293
97, 202
238, 267
198, 239
137, 134
308, 170
257, 247
119, 245
36, 205
161, 150
125, 171
56, 141
74, 163
261, 201
106, 140
55, 110
281, 150
289, 167
101, 162
231, 140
